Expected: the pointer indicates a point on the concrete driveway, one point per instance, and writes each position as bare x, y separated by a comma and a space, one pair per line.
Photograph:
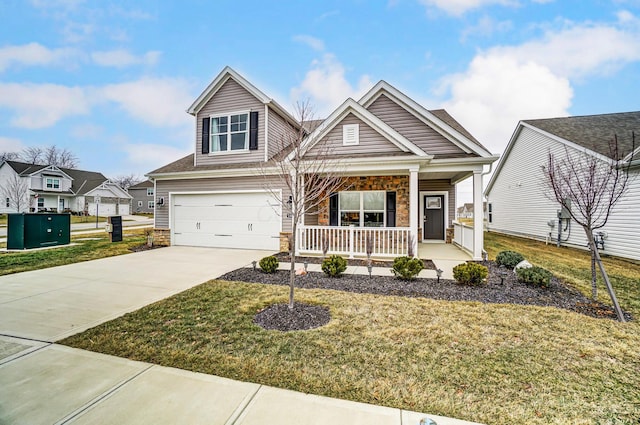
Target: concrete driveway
51, 304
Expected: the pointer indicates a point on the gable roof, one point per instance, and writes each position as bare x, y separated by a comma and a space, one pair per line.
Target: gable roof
229, 73
594, 132
353, 107
591, 132
81, 181
437, 119
142, 185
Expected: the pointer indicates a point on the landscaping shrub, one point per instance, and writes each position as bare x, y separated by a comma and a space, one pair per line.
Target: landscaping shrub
509, 258
406, 267
470, 274
269, 264
534, 276
334, 266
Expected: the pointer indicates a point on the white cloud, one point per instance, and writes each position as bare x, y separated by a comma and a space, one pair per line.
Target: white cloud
313, 42
8, 144
160, 102
33, 54
326, 86
460, 7
42, 105
581, 50
486, 26
122, 58
497, 91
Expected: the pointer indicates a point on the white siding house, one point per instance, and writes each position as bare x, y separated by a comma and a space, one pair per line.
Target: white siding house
518, 199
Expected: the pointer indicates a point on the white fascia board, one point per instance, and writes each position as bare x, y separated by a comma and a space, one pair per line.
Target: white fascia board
420, 112
218, 82
50, 168
351, 106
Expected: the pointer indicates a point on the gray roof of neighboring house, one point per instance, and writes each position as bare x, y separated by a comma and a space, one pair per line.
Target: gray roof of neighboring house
142, 185
595, 132
83, 181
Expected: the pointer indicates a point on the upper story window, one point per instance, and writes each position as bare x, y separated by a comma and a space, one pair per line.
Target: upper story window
230, 132
52, 183
149, 191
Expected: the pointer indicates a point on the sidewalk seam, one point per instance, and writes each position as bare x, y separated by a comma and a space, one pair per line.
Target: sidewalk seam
79, 411
242, 408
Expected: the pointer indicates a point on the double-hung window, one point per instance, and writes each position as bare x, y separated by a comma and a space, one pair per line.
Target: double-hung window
230, 132
150, 205
149, 191
53, 183
362, 209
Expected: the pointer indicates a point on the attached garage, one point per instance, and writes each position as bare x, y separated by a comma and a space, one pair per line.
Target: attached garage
249, 220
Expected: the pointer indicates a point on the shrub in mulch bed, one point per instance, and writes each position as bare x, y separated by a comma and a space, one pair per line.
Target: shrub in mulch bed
284, 257
509, 292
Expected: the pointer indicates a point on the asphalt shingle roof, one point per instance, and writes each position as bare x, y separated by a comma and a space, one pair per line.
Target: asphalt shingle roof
595, 132
83, 181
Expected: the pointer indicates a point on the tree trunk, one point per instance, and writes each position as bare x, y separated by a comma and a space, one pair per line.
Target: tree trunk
605, 276
292, 270
594, 286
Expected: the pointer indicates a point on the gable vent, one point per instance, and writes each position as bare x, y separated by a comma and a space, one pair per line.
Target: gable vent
350, 134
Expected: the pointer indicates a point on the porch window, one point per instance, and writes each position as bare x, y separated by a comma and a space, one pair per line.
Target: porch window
362, 209
40, 202
230, 133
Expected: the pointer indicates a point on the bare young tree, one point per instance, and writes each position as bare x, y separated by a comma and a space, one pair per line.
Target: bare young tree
50, 155
307, 176
31, 155
9, 156
125, 181
589, 187
17, 192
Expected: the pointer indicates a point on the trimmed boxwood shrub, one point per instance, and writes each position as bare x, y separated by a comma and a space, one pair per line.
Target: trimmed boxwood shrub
334, 265
534, 276
406, 267
470, 274
509, 259
269, 264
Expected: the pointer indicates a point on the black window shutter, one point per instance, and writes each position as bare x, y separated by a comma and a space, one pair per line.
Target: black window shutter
253, 131
333, 209
205, 135
391, 209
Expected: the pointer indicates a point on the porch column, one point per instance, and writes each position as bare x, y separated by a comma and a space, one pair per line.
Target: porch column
478, 216
414, 200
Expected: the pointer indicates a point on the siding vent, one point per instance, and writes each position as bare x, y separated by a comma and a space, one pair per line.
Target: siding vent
350, 135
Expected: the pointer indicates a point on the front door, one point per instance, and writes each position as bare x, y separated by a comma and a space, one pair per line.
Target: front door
61, 205
433, 226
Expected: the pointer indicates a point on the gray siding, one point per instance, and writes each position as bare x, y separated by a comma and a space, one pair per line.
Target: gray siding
441, 186
412, 128
229, 184
230, 98
140, 195
280, 133
371, 142
520, 205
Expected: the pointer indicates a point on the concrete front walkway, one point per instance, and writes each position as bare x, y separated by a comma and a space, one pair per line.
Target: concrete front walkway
45, 383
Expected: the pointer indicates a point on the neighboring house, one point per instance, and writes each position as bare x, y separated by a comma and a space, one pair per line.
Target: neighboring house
517, 196
466, 210
143, 199
402, 163
56, 189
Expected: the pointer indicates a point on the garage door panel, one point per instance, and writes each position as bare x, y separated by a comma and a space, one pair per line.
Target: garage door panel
229, 220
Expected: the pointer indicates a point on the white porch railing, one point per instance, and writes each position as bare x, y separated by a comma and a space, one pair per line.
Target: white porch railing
463, 235
352, 241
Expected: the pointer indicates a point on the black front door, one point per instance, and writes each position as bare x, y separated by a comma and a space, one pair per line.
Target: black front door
433, 226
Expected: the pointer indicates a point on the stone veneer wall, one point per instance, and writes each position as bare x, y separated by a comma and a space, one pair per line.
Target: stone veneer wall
162, 237
399, 184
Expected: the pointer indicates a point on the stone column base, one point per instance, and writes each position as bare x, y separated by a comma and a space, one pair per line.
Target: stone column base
162, 237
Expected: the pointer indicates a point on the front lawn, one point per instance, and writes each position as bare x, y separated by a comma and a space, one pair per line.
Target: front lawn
491, 363
89, 247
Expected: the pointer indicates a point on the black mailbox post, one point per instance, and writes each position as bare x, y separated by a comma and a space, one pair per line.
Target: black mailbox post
115, 234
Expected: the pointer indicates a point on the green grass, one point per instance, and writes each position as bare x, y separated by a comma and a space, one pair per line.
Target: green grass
574, 267
497, 364
15, 262
74, 219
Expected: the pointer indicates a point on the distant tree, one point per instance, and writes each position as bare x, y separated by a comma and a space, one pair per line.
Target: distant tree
50, 155
297, 170
9, 156
589, 187
16, 191
125, 181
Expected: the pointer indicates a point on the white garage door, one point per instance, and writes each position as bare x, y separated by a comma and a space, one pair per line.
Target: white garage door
226, 220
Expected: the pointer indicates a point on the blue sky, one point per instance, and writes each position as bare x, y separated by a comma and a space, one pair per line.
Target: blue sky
110, 80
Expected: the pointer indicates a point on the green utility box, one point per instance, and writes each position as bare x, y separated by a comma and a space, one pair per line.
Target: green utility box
27, 231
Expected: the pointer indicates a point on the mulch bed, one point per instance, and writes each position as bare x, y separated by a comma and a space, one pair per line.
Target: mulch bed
508, 291
144, 247
284, 257
301, 317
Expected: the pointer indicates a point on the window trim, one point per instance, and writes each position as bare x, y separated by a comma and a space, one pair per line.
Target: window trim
228, 115
38, 202
150, 205
149, 191
362, 211
139, 204
53, 182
